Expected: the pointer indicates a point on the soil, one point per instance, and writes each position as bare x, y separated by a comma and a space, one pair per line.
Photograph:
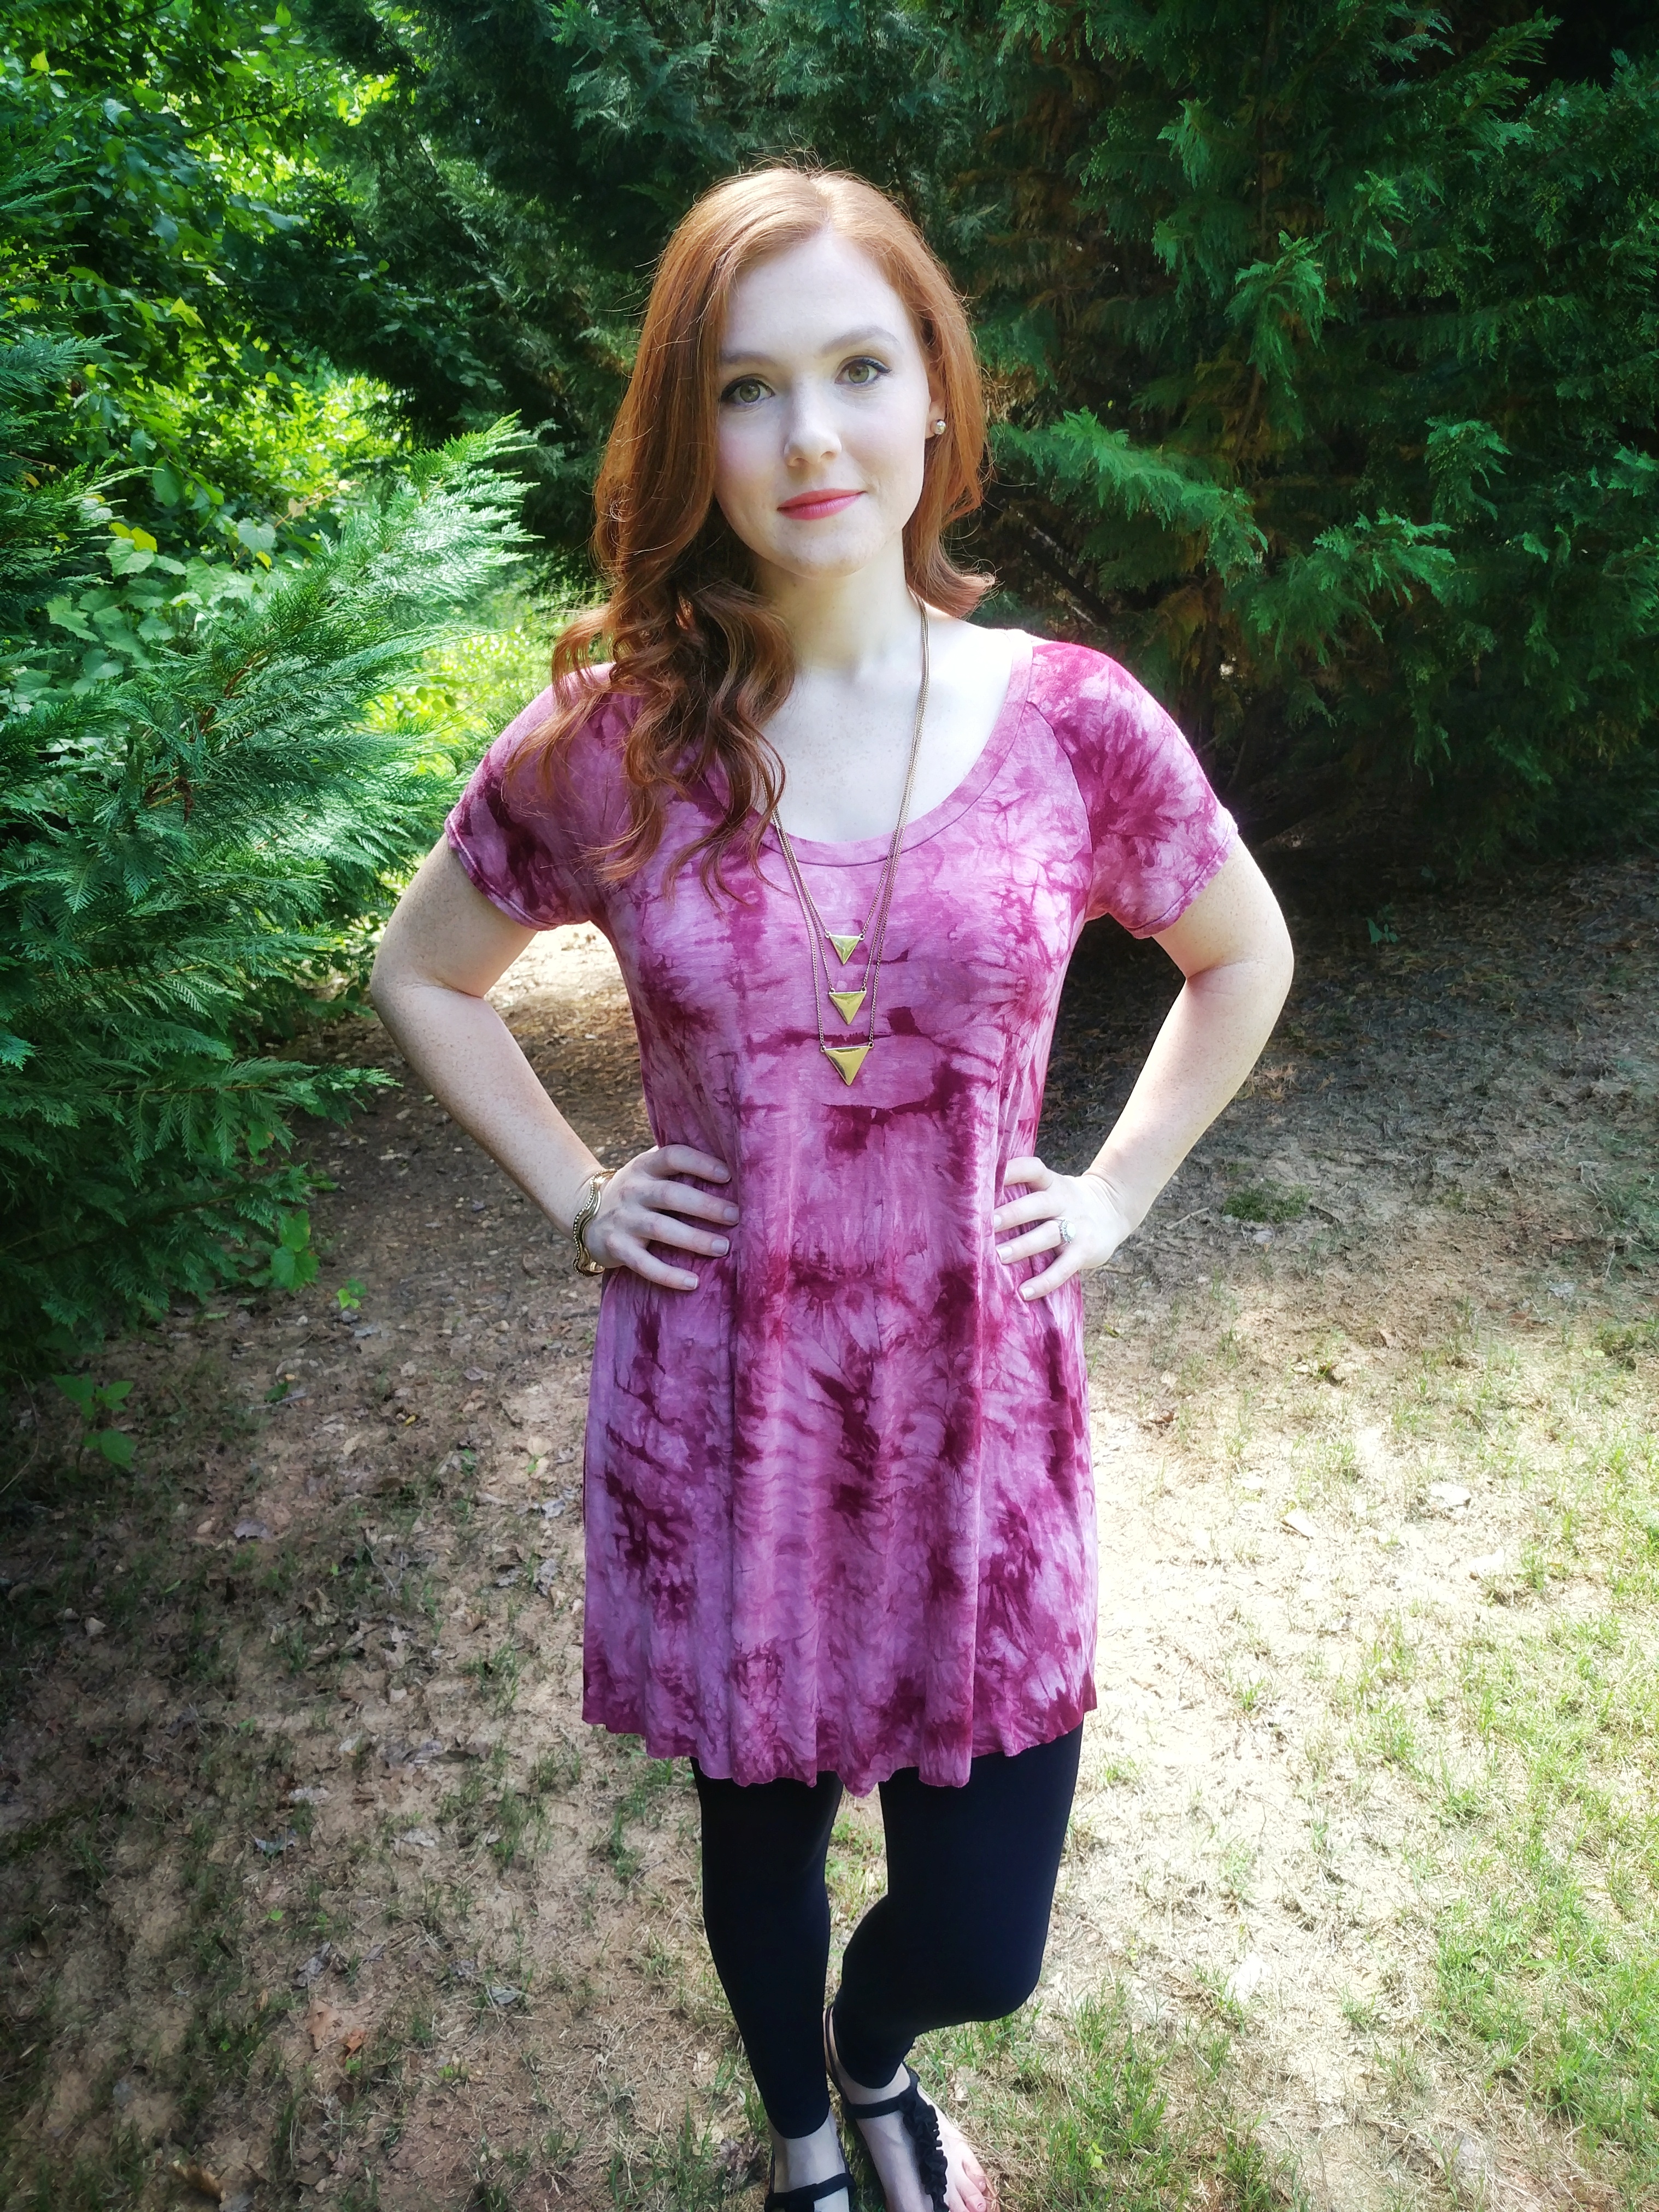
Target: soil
313, 1878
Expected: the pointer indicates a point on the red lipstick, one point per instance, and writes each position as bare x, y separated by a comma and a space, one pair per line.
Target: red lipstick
811, 505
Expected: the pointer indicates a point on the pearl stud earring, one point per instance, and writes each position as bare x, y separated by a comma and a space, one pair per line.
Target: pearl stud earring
938, 426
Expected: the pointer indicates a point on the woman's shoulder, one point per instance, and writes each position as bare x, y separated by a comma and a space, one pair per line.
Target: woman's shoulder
1072, 684
580, 710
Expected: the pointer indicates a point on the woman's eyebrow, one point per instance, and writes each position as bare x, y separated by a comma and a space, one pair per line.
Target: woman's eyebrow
876, 333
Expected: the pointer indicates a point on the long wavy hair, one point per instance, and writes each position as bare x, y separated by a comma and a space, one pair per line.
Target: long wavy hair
684, 630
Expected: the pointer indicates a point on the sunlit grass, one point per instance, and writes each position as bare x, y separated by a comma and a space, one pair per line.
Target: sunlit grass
1522, 1752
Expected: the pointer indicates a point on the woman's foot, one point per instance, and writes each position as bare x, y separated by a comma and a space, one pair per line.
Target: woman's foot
893, 2149
799, 2161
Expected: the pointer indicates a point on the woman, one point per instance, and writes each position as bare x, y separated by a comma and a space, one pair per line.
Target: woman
839, 1529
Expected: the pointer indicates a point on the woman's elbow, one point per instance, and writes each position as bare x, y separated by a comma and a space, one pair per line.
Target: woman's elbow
386, 979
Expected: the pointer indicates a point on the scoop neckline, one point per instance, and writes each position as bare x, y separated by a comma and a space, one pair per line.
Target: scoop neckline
857, 851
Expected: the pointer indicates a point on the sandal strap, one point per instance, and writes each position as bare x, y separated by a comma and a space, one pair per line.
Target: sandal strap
860, 2110
809, 2194
921, 2118
920, 2115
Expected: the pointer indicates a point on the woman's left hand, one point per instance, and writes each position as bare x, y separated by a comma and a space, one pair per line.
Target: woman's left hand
1076, 1218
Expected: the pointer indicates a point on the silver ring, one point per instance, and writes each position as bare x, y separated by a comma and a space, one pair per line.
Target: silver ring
1066, 1233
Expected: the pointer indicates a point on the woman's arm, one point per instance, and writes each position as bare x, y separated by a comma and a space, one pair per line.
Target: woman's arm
1233, 948
444, 947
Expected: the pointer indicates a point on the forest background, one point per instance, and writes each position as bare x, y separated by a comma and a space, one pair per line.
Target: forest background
1321, 343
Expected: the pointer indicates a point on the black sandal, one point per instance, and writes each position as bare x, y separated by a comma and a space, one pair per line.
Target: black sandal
919, 2115
809, 2194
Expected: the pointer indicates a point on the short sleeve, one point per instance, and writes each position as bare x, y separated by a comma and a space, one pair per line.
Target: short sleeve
526, 826
1157, 831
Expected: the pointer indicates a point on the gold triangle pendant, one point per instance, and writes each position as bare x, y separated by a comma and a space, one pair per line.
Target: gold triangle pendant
846, 1003
849, 1058
845, 945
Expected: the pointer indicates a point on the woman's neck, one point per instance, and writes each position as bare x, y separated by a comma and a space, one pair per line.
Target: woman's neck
841, 626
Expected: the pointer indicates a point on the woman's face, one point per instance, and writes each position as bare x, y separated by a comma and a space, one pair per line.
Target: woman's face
823, 413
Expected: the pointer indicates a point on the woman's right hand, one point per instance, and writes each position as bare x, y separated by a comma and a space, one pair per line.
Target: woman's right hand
642, 1205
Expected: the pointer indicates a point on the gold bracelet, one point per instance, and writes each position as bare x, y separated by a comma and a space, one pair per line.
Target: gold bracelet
595, 1189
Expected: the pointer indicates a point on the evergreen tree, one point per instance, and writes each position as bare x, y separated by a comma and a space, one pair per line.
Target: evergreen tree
1311, 322
186, 853
1336, 359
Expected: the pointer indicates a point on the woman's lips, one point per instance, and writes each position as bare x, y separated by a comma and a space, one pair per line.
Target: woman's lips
810, 505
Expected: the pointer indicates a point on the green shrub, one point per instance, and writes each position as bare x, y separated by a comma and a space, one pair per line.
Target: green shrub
190, 848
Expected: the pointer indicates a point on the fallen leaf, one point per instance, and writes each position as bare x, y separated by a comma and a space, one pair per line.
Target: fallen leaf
325, 2023
354, 2042
198, 2178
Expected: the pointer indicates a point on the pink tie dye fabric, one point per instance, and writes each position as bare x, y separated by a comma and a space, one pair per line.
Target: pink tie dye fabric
839, 1509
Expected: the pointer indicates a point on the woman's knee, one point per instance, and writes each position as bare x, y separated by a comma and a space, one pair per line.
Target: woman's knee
987, 1981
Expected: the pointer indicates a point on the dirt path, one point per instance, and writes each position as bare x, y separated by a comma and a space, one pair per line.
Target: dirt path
313, 1876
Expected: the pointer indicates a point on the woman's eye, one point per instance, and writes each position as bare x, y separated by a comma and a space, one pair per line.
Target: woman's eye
742, 392
864, 372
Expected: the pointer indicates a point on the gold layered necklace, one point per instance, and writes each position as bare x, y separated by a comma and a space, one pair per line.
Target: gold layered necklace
847, 1058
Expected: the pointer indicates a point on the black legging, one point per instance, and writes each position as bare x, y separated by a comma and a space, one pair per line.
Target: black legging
959, 1936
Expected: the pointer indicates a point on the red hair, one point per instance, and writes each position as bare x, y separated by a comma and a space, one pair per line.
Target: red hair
686, 634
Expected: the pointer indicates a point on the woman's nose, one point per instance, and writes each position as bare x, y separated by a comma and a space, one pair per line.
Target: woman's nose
812, 434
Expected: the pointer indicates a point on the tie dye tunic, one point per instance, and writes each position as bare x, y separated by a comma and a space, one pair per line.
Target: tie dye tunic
838, 1503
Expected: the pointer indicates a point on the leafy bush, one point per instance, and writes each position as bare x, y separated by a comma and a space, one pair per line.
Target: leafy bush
188, 848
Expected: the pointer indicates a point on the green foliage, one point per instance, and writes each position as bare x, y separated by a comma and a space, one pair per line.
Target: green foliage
1335, 362
1326, 349
188, 851
167, 210
97, 1403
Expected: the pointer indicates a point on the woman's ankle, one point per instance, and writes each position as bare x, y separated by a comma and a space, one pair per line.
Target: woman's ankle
799, 2159
854, 2088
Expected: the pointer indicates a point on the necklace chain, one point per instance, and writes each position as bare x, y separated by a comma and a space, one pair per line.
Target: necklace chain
847, 1058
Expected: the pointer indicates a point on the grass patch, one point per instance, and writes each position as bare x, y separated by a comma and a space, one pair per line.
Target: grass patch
1274, 1203
1087, 2109
1551, 1961
647, 1783
687, 2171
